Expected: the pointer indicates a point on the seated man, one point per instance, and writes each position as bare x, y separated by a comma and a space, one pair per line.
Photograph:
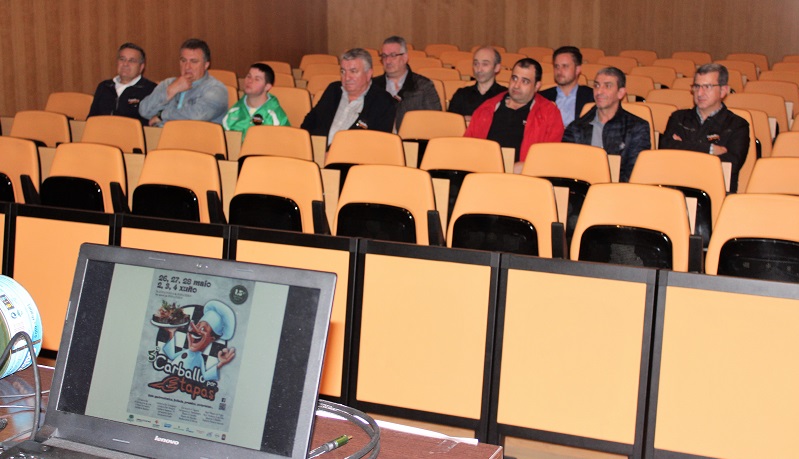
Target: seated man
122, 94
353, 103
486, 66
570, 97
609, 126
194, 95
257, 107
411, 90
710, 126
519, 117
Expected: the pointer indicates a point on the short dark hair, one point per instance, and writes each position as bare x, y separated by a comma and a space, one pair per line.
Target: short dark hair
528, 62
577, 56
724, 75
396, 39
269, 74
358, 53
621, 79
196, 43
497, 55
134, 47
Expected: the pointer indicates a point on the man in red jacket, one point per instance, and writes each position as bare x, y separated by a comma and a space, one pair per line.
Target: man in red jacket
519, 117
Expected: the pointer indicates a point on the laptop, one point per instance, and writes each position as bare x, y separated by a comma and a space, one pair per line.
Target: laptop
174, 356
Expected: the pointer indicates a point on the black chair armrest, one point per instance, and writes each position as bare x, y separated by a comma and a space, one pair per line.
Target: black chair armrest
29, 193
216, 212
434, 231
118, 199
695, 254
559, 249
320, 223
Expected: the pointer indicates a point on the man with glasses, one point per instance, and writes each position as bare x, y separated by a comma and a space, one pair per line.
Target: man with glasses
411, 90
353, 103
607, 125
121, 95
486, 65
710, 127
194, 95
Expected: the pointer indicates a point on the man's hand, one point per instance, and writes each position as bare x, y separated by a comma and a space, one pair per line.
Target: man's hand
225, 356
517, 167
676, 137
719, 150
180, 84
155, 121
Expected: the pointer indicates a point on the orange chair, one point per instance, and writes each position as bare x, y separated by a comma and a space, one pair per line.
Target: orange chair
747, 68
775, 176
20, 170
681, 99
643, 56
697, 57
760, 60
625, 64
124, 133
75, 105
286, 141
664, 76
591, 55
683, 67
201, 136
435, 49
227, 77
45, 128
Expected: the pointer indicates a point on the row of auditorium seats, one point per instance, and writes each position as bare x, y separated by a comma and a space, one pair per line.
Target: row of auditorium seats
630, 361
494, 211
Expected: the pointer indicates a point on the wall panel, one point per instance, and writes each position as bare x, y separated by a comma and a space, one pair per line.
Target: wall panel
70, 45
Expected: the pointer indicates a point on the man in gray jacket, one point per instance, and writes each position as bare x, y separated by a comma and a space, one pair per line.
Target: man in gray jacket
194, 95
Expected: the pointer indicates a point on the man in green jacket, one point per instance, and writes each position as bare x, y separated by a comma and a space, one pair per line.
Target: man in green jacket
257, 107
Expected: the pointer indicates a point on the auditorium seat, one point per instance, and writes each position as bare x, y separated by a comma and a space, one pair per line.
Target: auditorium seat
391, 203
697, 57
75, 105
296, 102
757, 236
360, 146
664, 76
179, 184
279, 66
440, 73
573, 166
591, 55
507, 213
776, 175
625, 64
696, 175
201, 136
124, 133
639, 86
760, 60
435, 49
539, 53
747, 68
279, 193
20, 170
227, 77
450, 58
683, 67
638, 225
787, 144
87, 176
677, 97
286, 141
772, 104
45, 128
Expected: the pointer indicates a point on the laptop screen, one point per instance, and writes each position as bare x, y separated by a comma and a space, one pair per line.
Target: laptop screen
168, 355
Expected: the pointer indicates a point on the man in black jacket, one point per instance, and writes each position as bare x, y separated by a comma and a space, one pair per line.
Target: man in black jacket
609, 126
710, 127
353, 103
569, 96
121, 95
411, 90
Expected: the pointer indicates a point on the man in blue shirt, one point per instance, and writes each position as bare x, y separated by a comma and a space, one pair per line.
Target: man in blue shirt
568, 95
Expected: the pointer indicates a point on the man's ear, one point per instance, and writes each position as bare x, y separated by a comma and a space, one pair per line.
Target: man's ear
622, 93
724, 91
537, 86
207, 64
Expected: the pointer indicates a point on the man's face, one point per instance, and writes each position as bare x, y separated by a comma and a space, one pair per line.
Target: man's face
709, 100
200, 336
193, 64
395, 61
354, 77
129, 64
566, 71
484, 67
255, 83
607, 93
522, 87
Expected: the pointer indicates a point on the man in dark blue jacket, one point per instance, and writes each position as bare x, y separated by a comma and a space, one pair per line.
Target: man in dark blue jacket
608, 125
121, 95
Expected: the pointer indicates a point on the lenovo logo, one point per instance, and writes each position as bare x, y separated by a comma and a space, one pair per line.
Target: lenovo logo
166, 440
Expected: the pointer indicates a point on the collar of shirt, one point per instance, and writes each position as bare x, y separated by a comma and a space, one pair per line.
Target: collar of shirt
566, 104
120, 87
393, 88
347, 113
702, 120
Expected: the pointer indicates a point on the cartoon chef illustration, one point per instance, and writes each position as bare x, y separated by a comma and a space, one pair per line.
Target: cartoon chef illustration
218, 322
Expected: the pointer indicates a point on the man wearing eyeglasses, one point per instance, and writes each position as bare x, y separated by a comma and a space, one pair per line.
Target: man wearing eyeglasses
411, 90
121, 95
710, 126
607, 125
353, 103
